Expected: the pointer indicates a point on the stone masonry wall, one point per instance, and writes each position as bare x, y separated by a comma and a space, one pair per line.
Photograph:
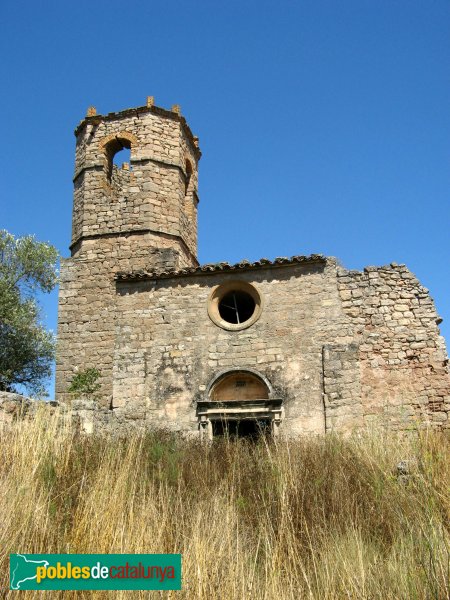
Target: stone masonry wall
343, 349
403, 363
342, 387
168, 350
87, 300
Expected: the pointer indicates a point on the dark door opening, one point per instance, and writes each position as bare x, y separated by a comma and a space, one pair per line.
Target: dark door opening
250, 429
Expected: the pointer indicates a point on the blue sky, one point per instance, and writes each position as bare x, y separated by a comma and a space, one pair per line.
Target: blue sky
324, 126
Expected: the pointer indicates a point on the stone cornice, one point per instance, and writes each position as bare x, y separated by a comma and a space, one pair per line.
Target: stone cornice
131, 112
76, 244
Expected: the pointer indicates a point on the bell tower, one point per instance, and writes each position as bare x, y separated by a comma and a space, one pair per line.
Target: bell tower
140, 215
156, 192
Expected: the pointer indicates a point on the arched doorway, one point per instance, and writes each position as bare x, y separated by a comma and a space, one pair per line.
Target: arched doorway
239, 403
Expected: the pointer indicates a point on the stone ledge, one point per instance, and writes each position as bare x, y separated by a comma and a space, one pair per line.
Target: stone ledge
131, 112
15, 406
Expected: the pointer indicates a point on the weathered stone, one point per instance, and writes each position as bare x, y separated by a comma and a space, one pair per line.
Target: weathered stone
332, 349
15, 407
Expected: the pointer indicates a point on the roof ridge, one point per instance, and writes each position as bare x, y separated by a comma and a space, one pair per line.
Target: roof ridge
219, 266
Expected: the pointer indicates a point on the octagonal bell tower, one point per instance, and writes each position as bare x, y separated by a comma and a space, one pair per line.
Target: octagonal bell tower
140, 215
156, 192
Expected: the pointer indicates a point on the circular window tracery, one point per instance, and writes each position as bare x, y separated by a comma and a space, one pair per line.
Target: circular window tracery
234, 305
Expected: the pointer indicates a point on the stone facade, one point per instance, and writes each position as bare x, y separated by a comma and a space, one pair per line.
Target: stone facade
318, 348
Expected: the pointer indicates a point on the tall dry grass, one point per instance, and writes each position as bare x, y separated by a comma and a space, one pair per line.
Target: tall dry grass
323, 518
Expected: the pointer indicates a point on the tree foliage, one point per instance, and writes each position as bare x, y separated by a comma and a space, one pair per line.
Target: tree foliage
26, 348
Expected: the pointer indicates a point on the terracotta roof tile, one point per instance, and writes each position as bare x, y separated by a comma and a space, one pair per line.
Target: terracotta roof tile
244, 265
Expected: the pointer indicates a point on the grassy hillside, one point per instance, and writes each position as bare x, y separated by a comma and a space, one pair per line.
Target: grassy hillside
323, 518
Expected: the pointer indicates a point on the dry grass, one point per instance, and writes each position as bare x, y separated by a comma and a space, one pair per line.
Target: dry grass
321, 518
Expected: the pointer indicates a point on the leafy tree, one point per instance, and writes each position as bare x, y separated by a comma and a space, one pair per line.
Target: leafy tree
26, 348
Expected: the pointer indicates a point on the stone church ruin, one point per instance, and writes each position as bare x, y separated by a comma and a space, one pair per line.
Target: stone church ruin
293, 345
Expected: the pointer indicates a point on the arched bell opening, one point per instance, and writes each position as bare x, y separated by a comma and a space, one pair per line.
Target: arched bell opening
117, 150
117, 154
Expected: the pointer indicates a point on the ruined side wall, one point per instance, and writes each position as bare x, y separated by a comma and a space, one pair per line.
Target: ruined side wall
168, 350
15, 407
404, 374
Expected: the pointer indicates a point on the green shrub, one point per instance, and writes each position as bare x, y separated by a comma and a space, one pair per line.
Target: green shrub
85, 383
